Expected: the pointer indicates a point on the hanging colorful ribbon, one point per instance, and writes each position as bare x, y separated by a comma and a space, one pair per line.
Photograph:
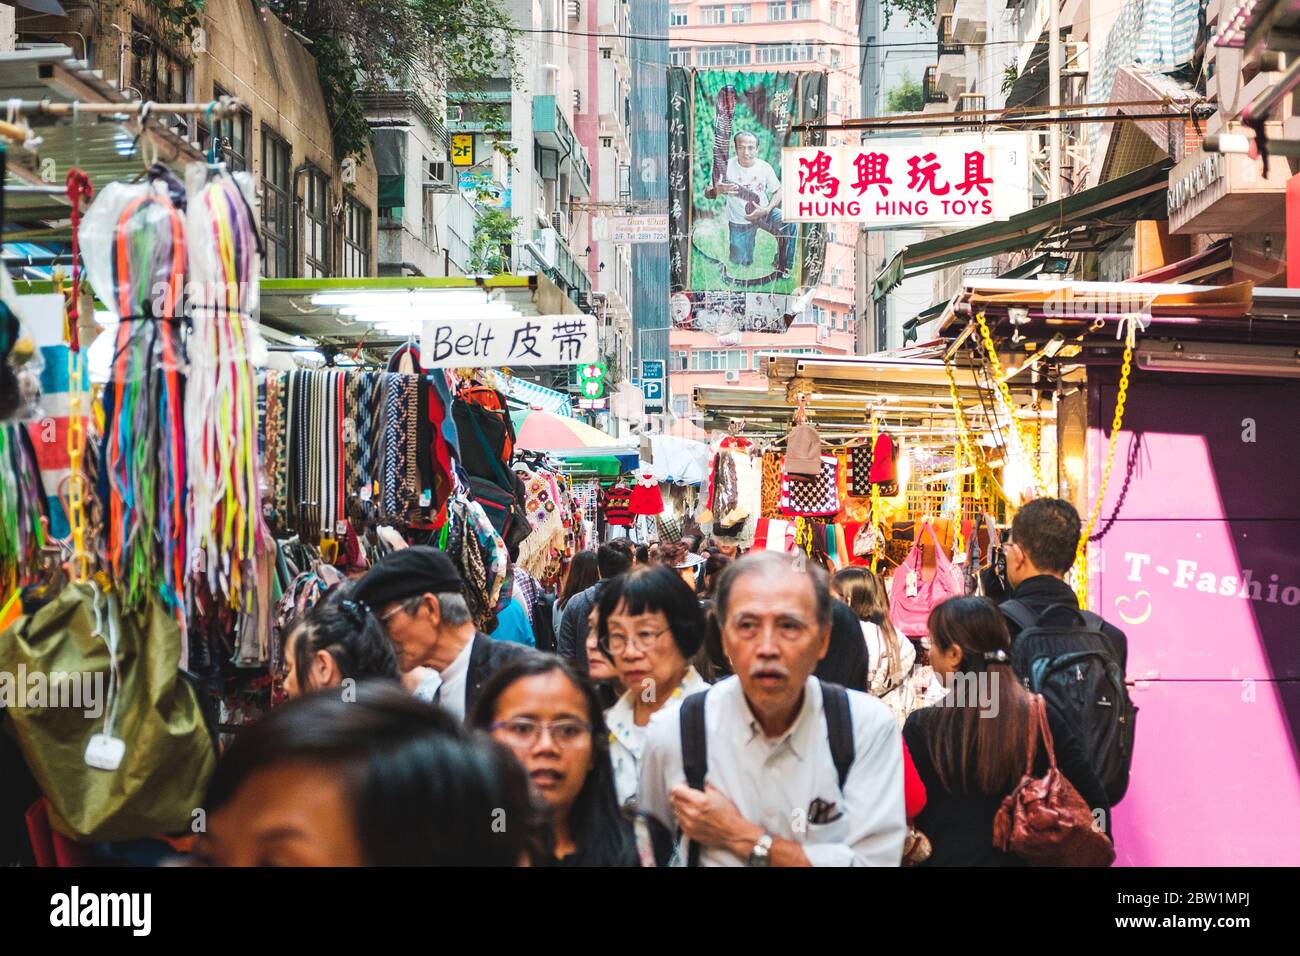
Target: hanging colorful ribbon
228, 530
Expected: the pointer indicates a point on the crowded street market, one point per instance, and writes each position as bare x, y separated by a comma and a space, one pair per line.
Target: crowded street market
887, 453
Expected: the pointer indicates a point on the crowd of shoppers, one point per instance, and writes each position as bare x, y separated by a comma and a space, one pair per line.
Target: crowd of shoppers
702, 708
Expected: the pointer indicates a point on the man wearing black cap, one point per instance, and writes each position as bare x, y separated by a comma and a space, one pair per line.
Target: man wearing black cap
419, 597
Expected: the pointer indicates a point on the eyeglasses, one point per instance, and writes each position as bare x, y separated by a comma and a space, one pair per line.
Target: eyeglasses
523, 733
643, 642
388, 616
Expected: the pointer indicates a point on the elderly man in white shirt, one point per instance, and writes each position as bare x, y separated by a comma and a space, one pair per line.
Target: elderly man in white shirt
772, 793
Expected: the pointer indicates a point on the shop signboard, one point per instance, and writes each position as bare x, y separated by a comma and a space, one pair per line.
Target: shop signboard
517, 341
1219, 192
887, 183
728, 235
462, 149
638, 229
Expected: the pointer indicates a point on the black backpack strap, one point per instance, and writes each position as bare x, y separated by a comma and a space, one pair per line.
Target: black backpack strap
695, 753
839, 728
1019, 614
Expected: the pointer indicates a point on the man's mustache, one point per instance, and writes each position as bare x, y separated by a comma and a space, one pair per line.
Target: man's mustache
768, 670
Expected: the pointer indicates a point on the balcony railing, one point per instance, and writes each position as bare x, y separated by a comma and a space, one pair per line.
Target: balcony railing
930, 86
947, 44
553, 130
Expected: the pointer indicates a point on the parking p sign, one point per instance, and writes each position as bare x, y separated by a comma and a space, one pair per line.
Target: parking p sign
653, 389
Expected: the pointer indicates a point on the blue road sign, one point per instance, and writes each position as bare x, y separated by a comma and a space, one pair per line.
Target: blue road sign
654, 391
652, 368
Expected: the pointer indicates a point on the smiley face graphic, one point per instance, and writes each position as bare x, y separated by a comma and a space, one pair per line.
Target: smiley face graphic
1131, 615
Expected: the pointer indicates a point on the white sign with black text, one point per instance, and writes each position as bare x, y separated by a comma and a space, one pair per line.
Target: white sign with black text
521, 341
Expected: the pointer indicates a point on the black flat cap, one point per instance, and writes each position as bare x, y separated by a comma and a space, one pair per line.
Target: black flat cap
407, 573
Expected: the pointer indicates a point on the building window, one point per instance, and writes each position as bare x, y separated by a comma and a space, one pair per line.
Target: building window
276, 206
719, 360
837, 278
777, 11
677, 16
730, 55
835, 58
713, 16
316, 218
677, 360
682, 406
679, 56
835, 14
784, 53
740, 14
356, 239
800, 9
157, 74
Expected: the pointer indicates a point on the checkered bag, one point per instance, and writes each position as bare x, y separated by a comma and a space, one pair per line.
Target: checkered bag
811, 497
860, 471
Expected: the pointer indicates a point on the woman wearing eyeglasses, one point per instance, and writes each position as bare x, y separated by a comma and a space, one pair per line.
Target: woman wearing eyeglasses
544, 711
650, 624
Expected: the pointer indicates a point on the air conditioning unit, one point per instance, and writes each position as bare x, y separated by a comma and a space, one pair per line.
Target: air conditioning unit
558, 224
575, 9
732, 377
577, 101
543, 220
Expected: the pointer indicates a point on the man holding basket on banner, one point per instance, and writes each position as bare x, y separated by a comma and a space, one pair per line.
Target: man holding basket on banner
753, 194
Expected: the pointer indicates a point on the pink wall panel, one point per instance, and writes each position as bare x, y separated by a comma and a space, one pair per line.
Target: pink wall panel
1214, 782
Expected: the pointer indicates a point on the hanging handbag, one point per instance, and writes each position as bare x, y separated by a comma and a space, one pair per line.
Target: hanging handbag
133, 760
911, 599
986, 574
860, 471
1044, 820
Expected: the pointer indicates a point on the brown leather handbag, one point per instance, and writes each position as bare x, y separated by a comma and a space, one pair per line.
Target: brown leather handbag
1045, 821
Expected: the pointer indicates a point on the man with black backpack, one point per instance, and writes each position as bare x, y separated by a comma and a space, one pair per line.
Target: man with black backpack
771, 766
1071, 656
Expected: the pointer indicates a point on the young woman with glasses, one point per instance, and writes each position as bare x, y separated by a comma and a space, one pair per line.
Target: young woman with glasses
549, 715
650, 624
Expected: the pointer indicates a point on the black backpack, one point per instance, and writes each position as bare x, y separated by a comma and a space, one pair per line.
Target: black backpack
1074, 665
695, 749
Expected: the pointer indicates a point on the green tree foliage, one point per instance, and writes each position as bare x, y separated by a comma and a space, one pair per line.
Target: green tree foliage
915, 11
372, 45
906, 97
493, 231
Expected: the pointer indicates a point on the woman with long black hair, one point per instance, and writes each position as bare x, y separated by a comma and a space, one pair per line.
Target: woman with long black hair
550, 716
969, 748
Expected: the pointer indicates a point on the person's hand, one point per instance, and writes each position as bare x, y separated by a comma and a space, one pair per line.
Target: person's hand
710, 819
727, 189
758, 214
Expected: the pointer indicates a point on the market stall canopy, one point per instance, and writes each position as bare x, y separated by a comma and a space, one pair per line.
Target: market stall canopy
537, 430
845, 391
1085, 221
361, 311
103, 145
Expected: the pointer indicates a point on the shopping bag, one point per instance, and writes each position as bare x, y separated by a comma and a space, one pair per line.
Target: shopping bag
910, 598
162, 771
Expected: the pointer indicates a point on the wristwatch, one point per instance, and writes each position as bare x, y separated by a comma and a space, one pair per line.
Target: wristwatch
761, 855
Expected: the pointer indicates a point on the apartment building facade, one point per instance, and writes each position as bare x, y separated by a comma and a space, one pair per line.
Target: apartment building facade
318, 214
811, 35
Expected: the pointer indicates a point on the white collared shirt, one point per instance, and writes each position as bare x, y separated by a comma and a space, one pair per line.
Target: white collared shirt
451, 692
774, 783
627, 740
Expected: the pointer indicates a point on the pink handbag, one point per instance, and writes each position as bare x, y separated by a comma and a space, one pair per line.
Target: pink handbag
909, 608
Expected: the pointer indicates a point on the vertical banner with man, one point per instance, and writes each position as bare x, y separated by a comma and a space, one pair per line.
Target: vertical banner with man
737, 263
